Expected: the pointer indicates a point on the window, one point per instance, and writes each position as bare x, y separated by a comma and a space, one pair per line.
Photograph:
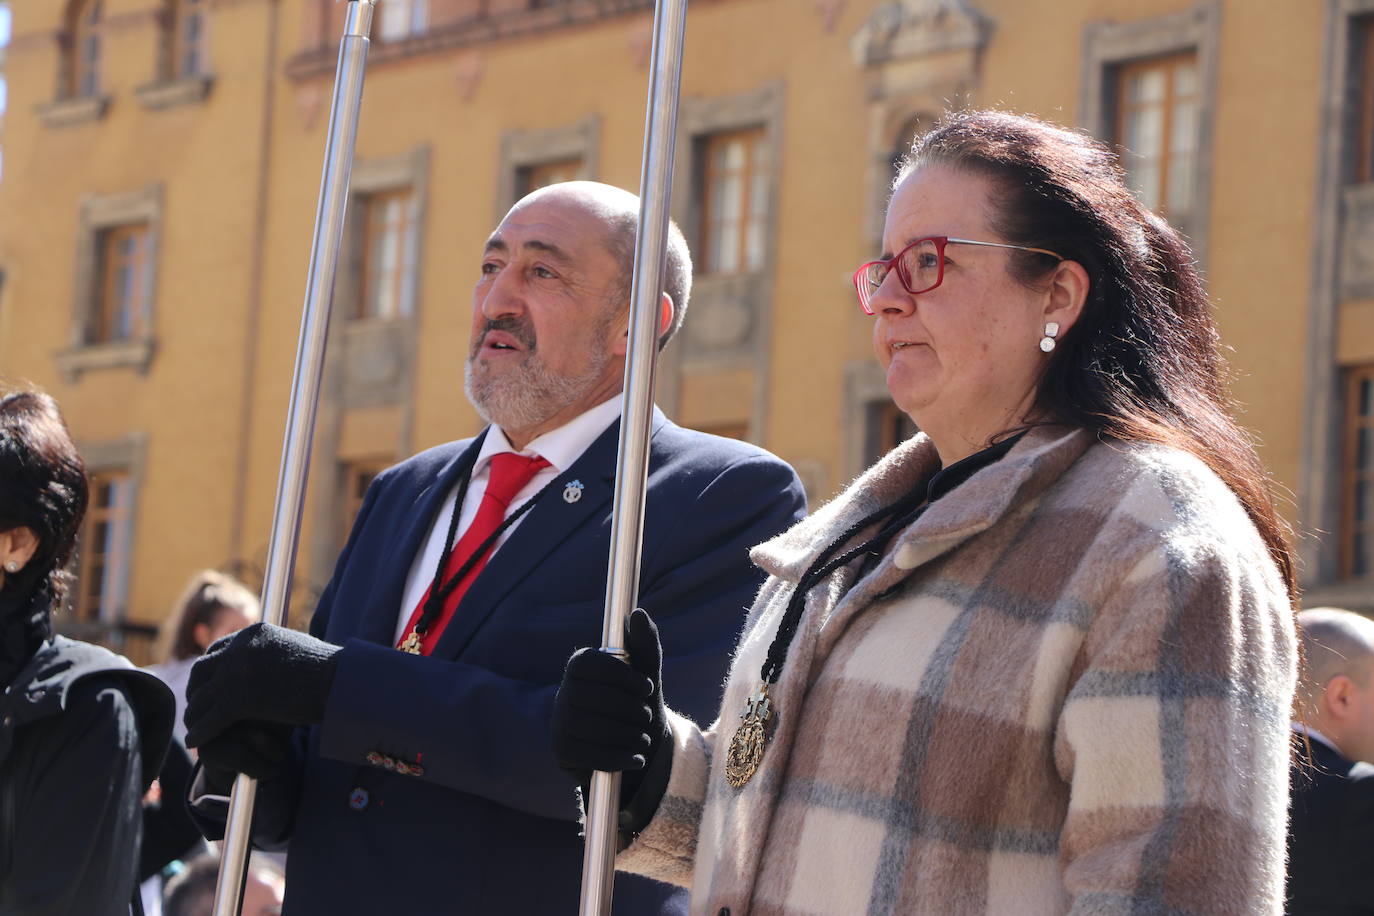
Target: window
357, 477
1158, 123
188, 38
4, 87
1357, 541
122, 297
734, 200
1364, 95
888, 427
541, 175
105, 549
388, 256
83, 55
402, 18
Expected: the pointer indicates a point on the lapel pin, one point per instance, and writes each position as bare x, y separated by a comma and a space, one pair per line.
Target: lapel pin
572, 492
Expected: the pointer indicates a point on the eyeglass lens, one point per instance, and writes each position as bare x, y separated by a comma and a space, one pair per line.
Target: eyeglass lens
918, 267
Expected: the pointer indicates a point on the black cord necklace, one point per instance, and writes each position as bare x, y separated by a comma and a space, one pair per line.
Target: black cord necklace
750, 739
439, 590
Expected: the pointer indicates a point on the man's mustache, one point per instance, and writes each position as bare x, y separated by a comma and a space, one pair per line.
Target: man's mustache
522, 331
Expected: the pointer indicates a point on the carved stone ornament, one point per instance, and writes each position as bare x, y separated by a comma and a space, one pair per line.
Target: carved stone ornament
917, 28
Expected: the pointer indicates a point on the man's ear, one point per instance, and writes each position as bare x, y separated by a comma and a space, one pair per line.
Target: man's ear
1340, 697
665, 321
1068, 291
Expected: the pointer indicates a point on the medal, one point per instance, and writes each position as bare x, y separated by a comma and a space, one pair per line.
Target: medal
412, 643
751, 738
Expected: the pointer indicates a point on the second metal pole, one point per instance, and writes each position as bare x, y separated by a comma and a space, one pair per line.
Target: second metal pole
305, 390
632, 463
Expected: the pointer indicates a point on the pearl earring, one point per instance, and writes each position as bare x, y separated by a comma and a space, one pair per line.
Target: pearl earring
1051, 332
12, 567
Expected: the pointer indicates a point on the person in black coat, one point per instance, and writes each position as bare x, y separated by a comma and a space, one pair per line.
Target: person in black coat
82, 732
1331, 827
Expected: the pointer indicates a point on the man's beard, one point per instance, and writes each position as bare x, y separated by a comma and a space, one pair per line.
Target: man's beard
528, 393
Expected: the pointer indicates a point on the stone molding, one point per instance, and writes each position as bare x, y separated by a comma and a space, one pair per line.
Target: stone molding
1107, 45
317, 62
73, 111
104, 211
185, 90
1320, 516
918, 28
521, 149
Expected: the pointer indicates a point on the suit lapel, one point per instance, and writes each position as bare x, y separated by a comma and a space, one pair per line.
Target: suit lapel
551, 522
388, 588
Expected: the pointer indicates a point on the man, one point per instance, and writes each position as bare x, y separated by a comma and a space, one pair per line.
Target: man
1331, 832
424, 783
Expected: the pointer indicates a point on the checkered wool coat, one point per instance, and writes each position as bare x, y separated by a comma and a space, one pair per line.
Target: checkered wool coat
1065, 689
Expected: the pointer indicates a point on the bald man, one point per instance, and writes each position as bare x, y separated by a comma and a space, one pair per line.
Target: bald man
420, 779
1331, 834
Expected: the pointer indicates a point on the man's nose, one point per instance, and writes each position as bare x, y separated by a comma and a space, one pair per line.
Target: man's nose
503, 296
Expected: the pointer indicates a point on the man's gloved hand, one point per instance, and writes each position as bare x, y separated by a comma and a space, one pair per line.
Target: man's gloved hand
262, 672
261, 750
610, 715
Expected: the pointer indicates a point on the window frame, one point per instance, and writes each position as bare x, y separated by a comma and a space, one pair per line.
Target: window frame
1169, 64
106, 311
184, 11
406, 270
535, 175
1363, 30
1351, 474
84, 30
91, 602
352, 473
756, 139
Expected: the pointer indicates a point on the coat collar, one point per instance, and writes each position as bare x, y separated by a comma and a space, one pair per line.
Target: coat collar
1032, 464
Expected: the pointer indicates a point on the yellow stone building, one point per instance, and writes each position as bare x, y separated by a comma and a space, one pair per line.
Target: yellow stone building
162, 159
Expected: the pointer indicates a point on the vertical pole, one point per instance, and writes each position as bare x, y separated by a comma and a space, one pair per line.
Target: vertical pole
632, 463
305, 390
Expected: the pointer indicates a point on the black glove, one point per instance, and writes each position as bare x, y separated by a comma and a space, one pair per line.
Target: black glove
262, 672
610, 715
261, 750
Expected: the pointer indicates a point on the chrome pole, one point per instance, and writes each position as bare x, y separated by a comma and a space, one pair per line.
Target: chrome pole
305, 391
632, 463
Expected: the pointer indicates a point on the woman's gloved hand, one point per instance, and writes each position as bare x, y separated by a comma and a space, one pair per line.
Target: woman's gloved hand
610, 715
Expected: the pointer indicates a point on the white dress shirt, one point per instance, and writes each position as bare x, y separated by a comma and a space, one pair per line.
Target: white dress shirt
560, 448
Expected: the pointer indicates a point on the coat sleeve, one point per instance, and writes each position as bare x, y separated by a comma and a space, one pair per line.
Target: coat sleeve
1174, 737
666, 849
487, 734
80, 816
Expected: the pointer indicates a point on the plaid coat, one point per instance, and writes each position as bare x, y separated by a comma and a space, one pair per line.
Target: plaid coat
1065, 689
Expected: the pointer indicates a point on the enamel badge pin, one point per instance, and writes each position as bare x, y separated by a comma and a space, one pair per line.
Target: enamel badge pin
573, 491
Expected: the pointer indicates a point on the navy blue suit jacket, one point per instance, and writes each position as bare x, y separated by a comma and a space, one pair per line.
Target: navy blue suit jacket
491, 825
1330, 835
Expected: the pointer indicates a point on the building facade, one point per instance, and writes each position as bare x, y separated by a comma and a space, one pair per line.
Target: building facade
162, 160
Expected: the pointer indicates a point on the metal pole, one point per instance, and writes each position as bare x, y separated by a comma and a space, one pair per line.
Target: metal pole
305, 390
632, 463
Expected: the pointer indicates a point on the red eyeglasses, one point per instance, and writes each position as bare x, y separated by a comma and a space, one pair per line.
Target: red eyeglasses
920, 266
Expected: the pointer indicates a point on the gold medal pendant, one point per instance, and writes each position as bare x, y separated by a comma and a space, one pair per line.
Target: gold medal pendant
751, 738
411, 643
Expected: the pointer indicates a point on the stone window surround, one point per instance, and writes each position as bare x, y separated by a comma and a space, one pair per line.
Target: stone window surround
128, 453
1319, 484
697, 117
1108, 44
521, 149
99, 212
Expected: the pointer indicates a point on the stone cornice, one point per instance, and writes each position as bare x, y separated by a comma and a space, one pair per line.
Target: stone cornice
317, 62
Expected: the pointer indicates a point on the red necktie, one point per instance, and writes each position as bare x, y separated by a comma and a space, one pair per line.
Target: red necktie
509, 475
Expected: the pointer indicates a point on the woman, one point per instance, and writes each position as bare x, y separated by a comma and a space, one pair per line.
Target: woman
214, 605
82, 733
1039, 659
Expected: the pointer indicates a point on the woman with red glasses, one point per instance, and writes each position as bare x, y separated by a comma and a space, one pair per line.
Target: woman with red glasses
1040, 658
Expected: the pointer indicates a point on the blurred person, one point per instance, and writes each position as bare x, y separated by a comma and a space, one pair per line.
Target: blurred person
192, 891
1040, 658
421, 778
1331, 829
213, 606
82, 732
